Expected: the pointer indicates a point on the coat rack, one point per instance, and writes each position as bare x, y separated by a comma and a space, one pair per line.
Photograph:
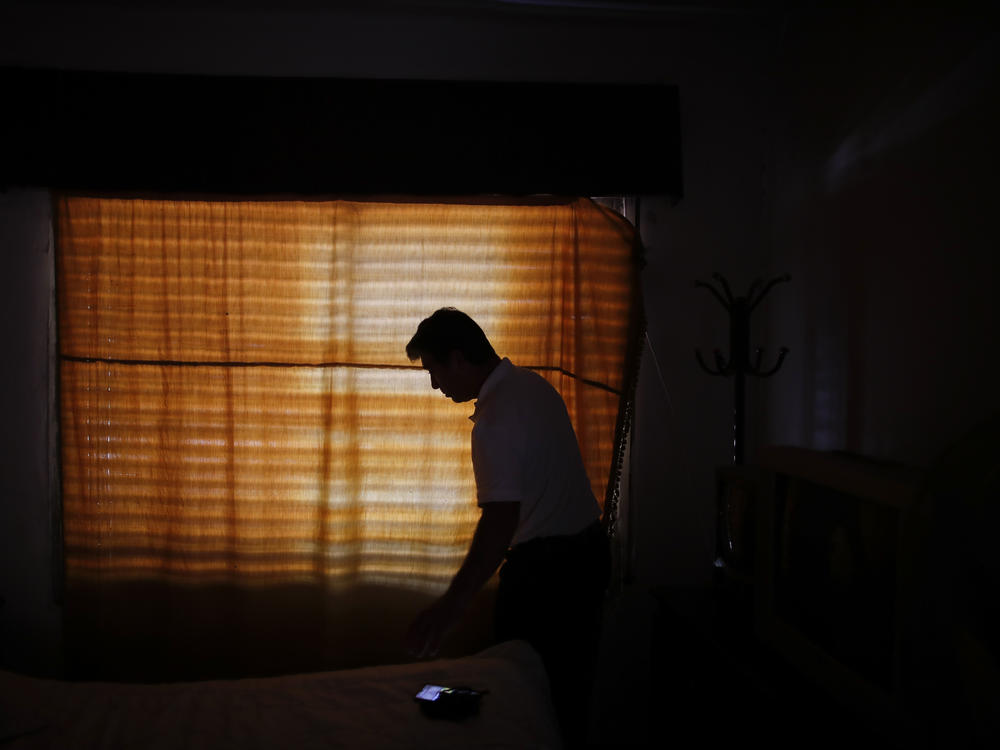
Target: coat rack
738, 365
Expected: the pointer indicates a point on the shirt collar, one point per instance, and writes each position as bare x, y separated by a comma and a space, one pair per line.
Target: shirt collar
498, 374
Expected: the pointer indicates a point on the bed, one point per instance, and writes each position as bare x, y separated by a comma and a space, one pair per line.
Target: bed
370, 707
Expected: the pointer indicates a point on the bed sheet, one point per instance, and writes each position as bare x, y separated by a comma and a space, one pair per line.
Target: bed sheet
371, 707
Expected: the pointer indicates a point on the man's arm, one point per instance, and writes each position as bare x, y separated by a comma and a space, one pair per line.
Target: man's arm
495, 529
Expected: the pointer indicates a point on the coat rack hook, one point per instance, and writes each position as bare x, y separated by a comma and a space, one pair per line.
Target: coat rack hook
738, 364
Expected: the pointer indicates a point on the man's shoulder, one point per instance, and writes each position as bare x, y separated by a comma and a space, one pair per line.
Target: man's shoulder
527, 390
526, 378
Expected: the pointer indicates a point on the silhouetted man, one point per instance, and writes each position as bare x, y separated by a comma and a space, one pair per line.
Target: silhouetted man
537, 511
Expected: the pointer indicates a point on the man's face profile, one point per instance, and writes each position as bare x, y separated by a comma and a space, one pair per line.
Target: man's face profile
453, 377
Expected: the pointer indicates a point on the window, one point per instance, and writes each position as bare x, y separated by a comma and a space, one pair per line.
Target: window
236, 403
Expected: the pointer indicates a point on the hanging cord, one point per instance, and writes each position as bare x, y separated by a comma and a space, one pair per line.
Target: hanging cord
707, 534
618, 507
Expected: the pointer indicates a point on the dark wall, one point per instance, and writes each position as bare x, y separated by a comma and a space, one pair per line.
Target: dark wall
885, 196
29, 616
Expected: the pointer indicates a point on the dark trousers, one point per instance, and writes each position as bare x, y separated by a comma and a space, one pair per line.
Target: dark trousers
551, 594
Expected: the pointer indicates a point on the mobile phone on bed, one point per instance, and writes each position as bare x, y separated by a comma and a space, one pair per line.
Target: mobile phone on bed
441, 702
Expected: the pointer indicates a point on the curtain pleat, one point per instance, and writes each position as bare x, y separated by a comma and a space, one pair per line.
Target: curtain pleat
236, 403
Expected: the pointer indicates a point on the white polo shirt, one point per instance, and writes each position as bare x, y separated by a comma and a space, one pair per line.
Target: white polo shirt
524, 449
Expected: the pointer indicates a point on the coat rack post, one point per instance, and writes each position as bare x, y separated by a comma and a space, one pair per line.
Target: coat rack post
739, 398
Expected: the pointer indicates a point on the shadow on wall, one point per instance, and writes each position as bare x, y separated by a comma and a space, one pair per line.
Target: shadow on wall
154, 632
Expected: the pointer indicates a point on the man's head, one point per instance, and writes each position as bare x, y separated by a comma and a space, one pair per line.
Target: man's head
454, 350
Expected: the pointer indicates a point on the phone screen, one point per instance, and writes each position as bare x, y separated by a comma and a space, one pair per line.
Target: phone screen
430, 692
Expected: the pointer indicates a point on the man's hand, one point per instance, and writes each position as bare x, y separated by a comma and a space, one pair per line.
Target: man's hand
494, 531
423, 639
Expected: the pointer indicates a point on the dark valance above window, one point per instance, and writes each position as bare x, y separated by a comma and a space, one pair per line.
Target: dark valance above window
121, 131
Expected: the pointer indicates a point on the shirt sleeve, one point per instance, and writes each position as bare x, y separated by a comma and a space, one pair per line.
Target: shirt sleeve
498, 464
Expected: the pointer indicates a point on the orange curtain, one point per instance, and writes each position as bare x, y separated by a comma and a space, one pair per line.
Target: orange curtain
236, 405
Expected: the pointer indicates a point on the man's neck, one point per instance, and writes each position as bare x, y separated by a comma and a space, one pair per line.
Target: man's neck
485, 371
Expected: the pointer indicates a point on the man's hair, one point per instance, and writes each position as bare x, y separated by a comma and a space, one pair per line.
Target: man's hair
448, 330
